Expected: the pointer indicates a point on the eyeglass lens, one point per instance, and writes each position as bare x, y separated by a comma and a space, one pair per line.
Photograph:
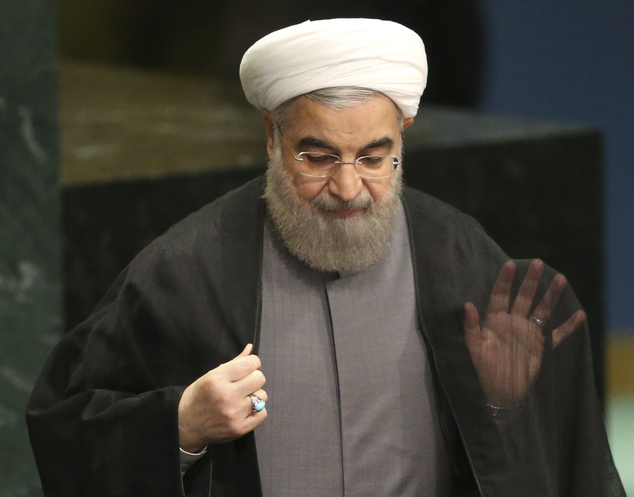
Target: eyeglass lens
323, 165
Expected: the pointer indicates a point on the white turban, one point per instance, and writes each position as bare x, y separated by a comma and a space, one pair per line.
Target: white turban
368, 53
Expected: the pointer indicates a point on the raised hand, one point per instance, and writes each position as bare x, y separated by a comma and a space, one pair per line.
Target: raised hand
217, 408
507, 350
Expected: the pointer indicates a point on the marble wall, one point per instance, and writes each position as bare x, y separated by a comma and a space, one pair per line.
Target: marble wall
30, 242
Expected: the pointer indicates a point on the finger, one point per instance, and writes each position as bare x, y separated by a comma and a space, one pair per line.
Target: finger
471, 319
262, 394
526, 294
471, 324
248, 403
573, 322
501, 293
549, 301
240, 367
247, 350
250, 383
253, 420
529, 337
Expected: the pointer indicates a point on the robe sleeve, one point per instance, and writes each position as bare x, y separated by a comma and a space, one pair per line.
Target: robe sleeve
103, 416
555, 444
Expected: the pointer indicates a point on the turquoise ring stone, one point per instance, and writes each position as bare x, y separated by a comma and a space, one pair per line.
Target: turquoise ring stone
257, 404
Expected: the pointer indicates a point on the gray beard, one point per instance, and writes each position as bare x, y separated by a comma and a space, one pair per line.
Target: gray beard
324, 242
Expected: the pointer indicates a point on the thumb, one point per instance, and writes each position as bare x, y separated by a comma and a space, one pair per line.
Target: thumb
241, 365
247, 350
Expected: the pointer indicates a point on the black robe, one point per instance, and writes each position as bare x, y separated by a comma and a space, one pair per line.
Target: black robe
103, 416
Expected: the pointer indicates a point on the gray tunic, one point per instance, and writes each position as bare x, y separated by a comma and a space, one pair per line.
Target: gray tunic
351, 401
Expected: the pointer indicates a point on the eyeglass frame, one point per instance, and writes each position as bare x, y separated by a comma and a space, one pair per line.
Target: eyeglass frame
395, 162
338, 163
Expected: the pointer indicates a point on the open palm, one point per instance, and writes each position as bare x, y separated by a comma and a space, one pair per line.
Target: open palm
507, 349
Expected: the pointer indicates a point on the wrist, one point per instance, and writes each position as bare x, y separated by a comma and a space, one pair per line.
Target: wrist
189, 443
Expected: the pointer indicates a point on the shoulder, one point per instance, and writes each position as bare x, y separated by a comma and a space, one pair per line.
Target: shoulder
233, 215
225, 232
234, 218
450, 247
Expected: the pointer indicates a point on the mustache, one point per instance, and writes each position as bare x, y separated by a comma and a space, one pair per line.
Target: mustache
330, 202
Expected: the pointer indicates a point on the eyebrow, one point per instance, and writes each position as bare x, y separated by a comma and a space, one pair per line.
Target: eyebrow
310, 141
383, 142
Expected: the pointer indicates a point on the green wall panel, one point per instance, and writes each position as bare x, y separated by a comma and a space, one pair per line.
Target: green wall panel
30, 243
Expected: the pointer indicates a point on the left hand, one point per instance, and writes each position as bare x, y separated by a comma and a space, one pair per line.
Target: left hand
507, 350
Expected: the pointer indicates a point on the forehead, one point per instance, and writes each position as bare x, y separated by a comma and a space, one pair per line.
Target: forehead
368, 121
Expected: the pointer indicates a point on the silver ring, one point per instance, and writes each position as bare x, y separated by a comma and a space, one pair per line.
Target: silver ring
257, 404
537, 321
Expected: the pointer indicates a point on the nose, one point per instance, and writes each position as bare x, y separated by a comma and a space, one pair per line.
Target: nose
346, 183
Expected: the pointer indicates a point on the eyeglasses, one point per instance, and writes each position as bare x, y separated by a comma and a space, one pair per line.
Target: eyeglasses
322, 165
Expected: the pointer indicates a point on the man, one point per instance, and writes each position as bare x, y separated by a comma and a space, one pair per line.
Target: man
402, 354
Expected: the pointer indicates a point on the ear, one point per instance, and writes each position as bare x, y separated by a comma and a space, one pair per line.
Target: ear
407, 122
269, 129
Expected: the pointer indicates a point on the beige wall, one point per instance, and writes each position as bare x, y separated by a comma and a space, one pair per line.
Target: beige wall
620, 364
